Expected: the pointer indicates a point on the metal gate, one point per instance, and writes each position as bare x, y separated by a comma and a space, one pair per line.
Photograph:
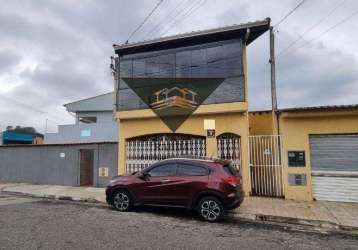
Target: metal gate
228, 146
265, 165
334, 164
143, 151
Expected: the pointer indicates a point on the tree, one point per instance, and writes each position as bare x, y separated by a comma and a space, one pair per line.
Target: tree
24, 130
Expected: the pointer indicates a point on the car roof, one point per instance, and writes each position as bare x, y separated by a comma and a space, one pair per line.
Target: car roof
196, 160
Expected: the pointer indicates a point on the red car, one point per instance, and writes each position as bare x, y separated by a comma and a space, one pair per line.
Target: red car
208, 186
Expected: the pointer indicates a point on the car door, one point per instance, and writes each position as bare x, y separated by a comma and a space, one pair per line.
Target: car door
189, 180
157, 186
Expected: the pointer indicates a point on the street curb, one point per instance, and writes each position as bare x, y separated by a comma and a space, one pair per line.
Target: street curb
318, 226
295, 224
56, 197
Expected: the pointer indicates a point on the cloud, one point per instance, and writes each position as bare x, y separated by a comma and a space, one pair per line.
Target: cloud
62, 54
53, 52
316, 75
8, 60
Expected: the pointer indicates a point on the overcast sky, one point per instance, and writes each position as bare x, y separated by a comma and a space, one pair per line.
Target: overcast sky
53, 52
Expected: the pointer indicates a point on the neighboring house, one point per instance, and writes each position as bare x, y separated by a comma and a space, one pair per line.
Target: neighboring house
319, 151
81, 154
94, 122
76, 164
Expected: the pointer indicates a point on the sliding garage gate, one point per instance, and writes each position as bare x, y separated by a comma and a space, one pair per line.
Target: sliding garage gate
334, 161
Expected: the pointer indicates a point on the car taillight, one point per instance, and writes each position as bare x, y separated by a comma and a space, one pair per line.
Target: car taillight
233, 180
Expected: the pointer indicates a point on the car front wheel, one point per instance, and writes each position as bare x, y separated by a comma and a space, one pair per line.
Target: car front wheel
210, 209
122, 201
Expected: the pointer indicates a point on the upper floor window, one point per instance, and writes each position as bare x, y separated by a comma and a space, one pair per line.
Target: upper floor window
88, 119
219, 59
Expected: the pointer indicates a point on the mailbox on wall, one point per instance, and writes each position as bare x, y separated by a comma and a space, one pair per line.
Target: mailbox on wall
297, 179
296, 159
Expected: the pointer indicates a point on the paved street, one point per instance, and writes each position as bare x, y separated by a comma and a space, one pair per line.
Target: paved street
27, 223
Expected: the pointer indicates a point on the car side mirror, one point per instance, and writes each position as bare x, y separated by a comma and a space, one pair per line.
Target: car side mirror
144, 175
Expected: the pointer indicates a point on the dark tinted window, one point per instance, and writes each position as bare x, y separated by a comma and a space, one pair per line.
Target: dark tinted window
125, 68
215, 60
231, 170
189, 170
183, 64
88, 119
163, 170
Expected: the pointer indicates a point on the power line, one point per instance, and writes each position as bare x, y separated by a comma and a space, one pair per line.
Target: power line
193, 10
311, 28
328, 30
171, 22
22, 104
289, 13
25, 105
189, 11
145, 19
166, 17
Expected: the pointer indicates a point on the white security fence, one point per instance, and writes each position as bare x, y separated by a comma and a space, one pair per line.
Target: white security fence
143, 151
266, 165
228, 148
265, 156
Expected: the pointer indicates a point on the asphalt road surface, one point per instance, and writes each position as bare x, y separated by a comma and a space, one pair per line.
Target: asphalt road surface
27, 223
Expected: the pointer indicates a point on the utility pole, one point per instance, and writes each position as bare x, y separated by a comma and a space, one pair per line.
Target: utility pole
115, 73
273, 83
46, 125
273, 70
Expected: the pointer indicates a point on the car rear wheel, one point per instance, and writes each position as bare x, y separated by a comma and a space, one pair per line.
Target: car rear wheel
122, 201
210, 209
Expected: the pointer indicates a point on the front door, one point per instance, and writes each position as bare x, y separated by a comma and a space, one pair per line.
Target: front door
86, 167
266, 165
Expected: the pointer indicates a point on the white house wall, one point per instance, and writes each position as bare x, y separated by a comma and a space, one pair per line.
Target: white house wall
78, 133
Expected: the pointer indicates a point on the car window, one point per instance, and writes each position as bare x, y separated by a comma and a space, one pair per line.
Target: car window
231, 170
191, 170
163, 170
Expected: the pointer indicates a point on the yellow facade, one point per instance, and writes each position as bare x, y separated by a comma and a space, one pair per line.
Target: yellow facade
295, 127
261, 123
229, 118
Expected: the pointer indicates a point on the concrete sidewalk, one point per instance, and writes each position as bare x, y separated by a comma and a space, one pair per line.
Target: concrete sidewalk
85, 194
328, 216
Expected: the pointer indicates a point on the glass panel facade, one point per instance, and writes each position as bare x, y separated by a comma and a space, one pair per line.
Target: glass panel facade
209, 60
213, 60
